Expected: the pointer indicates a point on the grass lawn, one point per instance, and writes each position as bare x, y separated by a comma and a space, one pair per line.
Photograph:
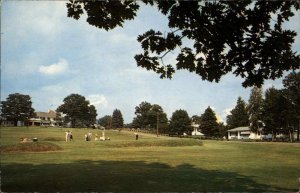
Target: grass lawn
149, 164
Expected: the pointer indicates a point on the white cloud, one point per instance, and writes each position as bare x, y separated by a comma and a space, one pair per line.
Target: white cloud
219, 118
213, 108
97, 100
227, 111
56, 68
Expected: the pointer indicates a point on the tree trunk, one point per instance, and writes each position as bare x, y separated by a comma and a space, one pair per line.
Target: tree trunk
298, 131
291, 135
273, 135
73, 123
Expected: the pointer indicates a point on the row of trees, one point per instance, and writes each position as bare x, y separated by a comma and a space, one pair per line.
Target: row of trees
112, 121
275, 112
152, 117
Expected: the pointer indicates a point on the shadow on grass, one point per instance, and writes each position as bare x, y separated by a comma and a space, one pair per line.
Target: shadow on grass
125, 176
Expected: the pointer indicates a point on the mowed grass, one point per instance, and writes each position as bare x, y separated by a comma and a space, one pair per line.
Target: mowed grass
149, 164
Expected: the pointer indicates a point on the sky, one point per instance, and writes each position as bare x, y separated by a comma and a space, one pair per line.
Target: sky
49, 56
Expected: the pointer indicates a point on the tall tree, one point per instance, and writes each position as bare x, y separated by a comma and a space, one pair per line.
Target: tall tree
105, 121
222, 130
209, 126
141, 112
292, 93
17, 107
287, 117
255, 105
137, 122
157, 118
149, 116
91, 115
117, 119
243, 37
239, 116
180, 123
273, 112
78, 111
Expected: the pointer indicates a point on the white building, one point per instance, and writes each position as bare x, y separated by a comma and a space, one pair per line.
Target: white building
45, 119
196, 130
243, 133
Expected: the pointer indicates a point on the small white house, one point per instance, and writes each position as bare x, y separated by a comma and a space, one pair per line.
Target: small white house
243, 133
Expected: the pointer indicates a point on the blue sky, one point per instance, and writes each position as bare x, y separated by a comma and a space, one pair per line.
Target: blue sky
49, 56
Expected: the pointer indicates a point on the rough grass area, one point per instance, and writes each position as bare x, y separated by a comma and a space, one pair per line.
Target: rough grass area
156, 143
54, 139
31, 147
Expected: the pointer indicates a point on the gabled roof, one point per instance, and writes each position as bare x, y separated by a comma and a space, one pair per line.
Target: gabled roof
244, 129
50, 114
240, 129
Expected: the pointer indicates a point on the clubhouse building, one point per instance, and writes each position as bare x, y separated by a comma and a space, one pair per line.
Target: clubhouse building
49, 119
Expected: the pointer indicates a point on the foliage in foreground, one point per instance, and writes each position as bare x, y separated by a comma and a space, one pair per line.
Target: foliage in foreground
246, 38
